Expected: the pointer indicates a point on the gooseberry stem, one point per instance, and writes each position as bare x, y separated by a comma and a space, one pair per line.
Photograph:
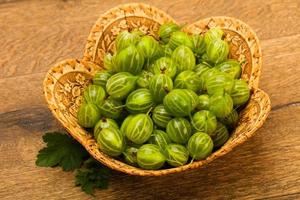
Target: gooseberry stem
149, 111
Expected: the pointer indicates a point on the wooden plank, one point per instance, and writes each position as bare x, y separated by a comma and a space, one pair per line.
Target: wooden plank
265, 166
60, 28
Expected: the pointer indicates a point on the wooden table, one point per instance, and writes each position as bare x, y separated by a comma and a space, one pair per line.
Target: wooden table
36, 34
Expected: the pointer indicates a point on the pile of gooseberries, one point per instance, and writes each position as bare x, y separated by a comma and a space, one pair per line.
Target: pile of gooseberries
164, 103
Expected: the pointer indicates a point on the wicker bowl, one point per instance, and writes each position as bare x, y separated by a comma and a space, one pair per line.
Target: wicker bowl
64, 82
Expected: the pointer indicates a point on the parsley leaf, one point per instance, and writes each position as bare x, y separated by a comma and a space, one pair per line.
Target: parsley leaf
92, 175
62, 151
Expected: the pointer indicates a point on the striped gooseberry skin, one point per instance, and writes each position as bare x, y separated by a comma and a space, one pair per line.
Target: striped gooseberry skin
164, 65
231, 67
176, 155
178, 103
218, 82
130, 155
111, 108
104, 123
101, 78
187, 80
179, 38
94, 94
111, 141
120, 85
150, 157
217, 51
139, 101
240, 93
200, 146
108, 61
220, 136
150, 49
160, 85
139, 128
205, 75
230, 120
130, 60
125, 123
166, 30
88, 115
202, 68
199, 44
125, 39
179, 130
220, 104
193, 97
204, 121
160, 138
203, 102
184, 57
161, 116
213, 34
144, 79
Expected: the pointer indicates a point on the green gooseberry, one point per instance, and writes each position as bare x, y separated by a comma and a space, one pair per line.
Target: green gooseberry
125, 123
176, 155
230, 120
217, 51
161, 116
213, 34
139, 128
220, 104
150, 49
164, 65
88, 115
125, 39
144, 79
149, 157
218, 82
108, 61
104, 123
94, 94
203, 102
179, 38
240, 93
111, 141
199, 45
167, 51
139, 101
206, 75
187, 80
160, 85
160, 138
200, 146
193, 97
231, 67
130, 59
119, 85
220, 136
166, 30
184, 58
101, 78
178, 103
111, 108
201, 68
179, 130
130, 155
204, 121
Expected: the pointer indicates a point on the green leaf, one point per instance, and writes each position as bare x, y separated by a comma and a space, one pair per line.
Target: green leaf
61, 150
92, 175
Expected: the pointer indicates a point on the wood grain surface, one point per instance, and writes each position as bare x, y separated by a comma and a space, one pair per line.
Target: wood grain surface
36, 34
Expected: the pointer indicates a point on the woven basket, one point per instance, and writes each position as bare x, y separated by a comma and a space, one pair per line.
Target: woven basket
64, 83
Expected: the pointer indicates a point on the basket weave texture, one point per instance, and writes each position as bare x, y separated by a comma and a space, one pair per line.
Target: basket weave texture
64, 83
